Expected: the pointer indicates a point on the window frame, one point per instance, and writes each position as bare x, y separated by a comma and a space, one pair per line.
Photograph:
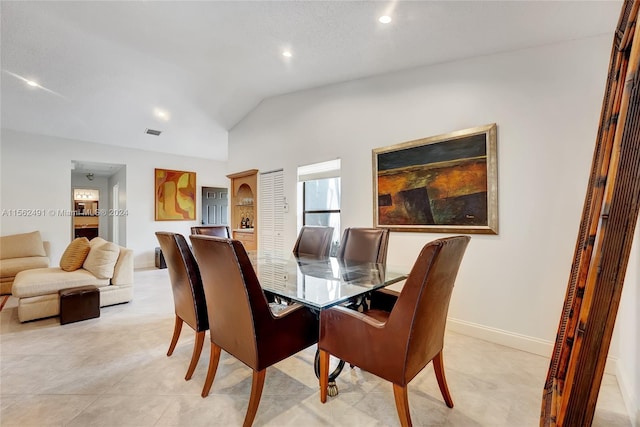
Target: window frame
304, 202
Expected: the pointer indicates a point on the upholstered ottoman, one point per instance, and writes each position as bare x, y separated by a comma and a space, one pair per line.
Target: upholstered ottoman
79, 304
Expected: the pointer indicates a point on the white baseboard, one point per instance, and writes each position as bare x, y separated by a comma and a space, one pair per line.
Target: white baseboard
628, 397
542, 348
510, 339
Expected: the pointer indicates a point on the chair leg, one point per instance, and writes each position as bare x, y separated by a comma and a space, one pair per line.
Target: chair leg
176, 334
197, 349
256, 392
324, 375
402, 405
438, 367
213, 367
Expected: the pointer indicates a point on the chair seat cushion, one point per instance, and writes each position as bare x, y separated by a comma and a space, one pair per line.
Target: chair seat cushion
383, 299
379, 315
42, 281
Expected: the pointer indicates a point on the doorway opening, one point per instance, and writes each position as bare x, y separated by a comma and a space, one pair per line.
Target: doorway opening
86, 212
99, 200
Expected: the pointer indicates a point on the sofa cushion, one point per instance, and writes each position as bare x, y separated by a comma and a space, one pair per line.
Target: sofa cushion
75, 254
42, 281
123, 273
101, 260
22, 245
96, 241
10, 267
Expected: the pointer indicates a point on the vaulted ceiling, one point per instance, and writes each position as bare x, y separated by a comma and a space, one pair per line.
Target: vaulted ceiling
106, 71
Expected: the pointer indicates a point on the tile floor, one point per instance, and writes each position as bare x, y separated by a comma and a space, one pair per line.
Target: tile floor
113, 371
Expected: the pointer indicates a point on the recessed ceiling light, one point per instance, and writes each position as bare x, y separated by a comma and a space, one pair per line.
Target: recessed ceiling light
287, 54
33, 83
384, 19
161, 114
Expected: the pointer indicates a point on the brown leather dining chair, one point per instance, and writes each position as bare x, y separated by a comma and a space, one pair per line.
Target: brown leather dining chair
313, 241
364, 244
188, 294
212, 230
241, 322
397, 345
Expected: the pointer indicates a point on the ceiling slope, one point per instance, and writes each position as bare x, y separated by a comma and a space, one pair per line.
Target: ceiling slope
105, 66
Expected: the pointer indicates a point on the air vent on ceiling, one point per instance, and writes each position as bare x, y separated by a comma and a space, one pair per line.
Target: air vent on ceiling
152, 132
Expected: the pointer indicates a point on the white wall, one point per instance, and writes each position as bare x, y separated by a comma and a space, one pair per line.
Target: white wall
36, 174
546, 102
628, 332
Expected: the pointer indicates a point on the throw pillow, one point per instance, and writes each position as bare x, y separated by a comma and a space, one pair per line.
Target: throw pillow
75, 254
97, 241
101, 260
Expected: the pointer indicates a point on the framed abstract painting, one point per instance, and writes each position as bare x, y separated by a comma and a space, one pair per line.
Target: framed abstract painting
446, 183
175, 198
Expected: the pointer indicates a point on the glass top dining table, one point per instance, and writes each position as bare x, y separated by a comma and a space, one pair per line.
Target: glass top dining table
319, 283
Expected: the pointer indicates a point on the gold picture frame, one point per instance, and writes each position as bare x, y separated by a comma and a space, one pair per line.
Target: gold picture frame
175, 198
442, 184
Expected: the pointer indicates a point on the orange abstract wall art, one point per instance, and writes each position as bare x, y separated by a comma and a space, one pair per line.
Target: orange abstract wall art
175, 195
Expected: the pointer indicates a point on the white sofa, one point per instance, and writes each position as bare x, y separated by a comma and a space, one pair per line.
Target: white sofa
20, 252
37, 289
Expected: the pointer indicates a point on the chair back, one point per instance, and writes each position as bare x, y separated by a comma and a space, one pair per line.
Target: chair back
313, 241
186, 283
237, 304
364, 245
420, 314
212, 230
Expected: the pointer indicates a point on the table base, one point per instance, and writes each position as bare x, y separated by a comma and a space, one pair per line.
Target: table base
332, 388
